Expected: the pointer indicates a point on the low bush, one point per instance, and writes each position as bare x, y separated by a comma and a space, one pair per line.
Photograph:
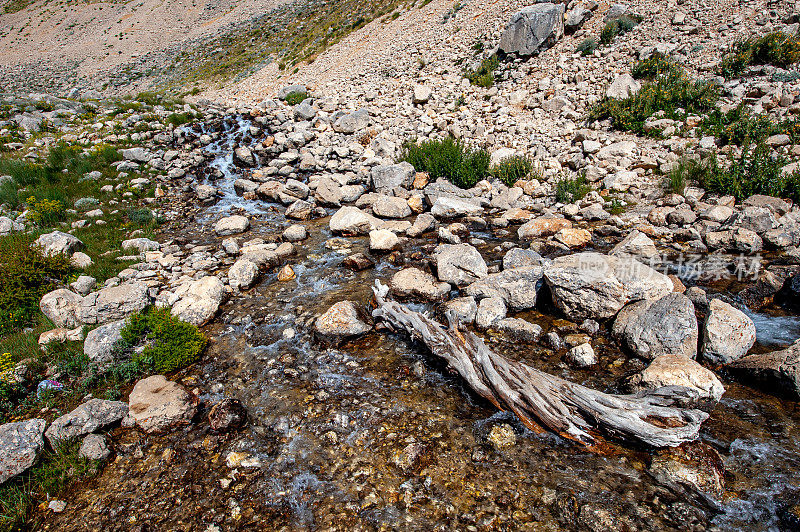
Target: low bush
569, 190
740, 127
168, 343
776, 48
511, 169
656, 65
293, 98
587, 46
483, 76
449, 158
669, 92
45, 212
755, 171
618, 26
25, 276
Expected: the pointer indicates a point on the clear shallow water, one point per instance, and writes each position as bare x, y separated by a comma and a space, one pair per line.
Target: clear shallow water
775, 330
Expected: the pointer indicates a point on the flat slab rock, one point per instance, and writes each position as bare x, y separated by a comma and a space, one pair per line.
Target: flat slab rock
778, 371
156, 404
20, 444
92, 415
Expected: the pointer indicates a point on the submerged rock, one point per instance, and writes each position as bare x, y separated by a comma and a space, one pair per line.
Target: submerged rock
693, 466
341, 321
227, 415
777, 372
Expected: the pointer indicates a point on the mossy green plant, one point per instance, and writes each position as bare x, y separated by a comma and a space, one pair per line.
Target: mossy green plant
168, 343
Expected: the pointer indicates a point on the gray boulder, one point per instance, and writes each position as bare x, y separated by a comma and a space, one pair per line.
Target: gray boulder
623, 86
518, 329
20, 444
459, 264
728, 333
92, 415
533, 28
62, 307
352, 122
156, 404
449, 207
58, 243
140, 245
244, 156
352, 221
490, 310
677, 370
199, 300
591, 285
390, 207
387, 177
520, 257
94, 447
654, 327
243, 274
232, 225
415, 283
517, 287
114, 303
99, 343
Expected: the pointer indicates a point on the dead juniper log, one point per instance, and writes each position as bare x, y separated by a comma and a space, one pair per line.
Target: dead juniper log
656, 418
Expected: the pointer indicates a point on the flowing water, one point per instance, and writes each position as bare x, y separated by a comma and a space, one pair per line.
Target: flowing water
377, 434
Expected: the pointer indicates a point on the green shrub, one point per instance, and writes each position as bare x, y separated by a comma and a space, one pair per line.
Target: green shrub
776, 48
511, 169
483, 76
668, 93
23, 173
738, 126
587, 46
45, 212
9, 194
756, 171
656, 65
678, 178
448, 158
25, 276
569, 190
293, 98
170, 343
178, 119
618, 26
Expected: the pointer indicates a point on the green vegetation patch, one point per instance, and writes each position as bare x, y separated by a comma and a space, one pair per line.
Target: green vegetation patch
618, 26
587, 46
741, 127
569, 190
512, 169
169, 343
296, 97
449, 158
669, 92
776, 48
483, 76
25, 276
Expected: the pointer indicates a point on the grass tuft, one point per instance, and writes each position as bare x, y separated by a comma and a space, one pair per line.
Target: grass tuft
511, 169
483, 76
776, 48
569, 190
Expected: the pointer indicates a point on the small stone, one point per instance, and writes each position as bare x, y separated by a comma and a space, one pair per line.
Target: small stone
502, 436
582, 356
286, 274
94, 447
227, 415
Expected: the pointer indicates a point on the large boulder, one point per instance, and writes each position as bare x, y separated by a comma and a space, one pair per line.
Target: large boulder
352, 122
114, 303
449, 207
542, 227
199, 300
415, 283
243, 274
517, 287
387, 177
92, 415
352, 221
728, 333
533, 28
390, 207
654, 327
244, 156
232, 225
778, 371
677, 370
591, 285
459, 264
62, 307
383, 240
140, 245
341, 321
637, 244
58, 243
100, 342
156, 404
20, 444
521, 257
